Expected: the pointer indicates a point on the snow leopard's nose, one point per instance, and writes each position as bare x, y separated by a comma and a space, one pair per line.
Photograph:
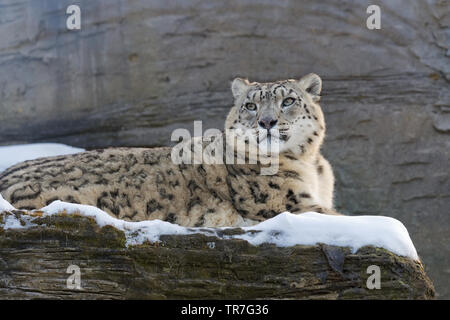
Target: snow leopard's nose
267, 123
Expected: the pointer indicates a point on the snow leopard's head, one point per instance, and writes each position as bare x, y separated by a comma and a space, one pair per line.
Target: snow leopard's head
285, 112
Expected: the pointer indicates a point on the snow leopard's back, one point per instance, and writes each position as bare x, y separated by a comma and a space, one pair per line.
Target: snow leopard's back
128, 183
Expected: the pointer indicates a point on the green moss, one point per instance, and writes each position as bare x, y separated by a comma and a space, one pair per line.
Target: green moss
68, 228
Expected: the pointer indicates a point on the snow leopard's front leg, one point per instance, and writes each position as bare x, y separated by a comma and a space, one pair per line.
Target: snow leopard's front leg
302, 201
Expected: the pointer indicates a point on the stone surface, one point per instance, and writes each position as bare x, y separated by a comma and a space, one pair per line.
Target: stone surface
139, 69
34, 263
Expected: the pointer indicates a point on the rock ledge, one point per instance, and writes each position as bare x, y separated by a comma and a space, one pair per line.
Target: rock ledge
34, 262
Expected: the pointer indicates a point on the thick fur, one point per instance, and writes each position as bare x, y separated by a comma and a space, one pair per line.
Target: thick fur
142, 184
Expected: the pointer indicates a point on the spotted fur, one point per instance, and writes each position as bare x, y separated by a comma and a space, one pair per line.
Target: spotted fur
138, 184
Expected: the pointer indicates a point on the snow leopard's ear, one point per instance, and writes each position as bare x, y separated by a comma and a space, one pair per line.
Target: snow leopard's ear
239, 86
312, 84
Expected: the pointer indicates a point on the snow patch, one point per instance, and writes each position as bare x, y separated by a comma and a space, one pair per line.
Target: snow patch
11, 155
135, 232
5, 205
283, 230
11, 220
287, 229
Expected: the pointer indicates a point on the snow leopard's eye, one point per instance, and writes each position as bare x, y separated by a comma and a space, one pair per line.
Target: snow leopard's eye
250, 106
287, 102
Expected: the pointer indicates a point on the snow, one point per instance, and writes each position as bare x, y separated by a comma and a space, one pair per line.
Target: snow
10, 155
285, 229
310, 228
5, 205
135, 232
10, 220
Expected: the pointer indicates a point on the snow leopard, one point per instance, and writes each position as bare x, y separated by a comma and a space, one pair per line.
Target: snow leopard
137, 184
